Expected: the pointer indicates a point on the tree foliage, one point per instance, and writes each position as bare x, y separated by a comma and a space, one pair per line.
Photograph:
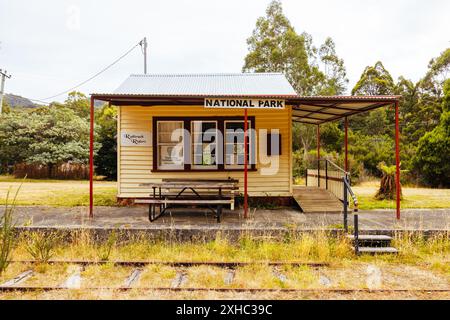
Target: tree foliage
106, 158
375, 80
275, 46
438, 73
433, 151
79, 103
47, 136
335, 73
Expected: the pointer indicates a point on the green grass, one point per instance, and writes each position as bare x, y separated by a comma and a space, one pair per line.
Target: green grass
410, 202
412, 197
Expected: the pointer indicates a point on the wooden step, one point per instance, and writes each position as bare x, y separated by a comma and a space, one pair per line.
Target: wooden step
371, 240
374, 237
377, 250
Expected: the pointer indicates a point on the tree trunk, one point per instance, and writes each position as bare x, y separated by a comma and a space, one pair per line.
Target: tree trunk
387, 190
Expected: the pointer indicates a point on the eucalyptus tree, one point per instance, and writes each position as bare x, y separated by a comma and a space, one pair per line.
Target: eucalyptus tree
275, 46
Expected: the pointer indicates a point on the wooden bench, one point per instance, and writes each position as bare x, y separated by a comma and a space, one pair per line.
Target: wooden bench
226, 193
171, 192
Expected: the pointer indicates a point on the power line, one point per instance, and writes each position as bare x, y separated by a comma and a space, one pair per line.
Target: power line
95, 75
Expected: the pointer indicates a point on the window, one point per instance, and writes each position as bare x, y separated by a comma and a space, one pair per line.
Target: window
234, 145
204, 144
201, 143
170, 144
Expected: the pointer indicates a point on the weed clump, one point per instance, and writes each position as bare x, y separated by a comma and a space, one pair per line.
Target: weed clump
41, 246
7, 231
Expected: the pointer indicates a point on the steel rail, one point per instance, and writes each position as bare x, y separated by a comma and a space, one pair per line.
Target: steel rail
225, 264
221, 289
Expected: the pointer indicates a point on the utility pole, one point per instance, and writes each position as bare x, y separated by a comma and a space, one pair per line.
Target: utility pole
143, 44
2, 87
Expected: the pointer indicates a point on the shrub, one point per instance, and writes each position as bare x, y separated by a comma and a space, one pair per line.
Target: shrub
387, 188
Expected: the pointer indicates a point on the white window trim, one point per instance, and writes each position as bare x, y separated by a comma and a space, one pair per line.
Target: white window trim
158, 144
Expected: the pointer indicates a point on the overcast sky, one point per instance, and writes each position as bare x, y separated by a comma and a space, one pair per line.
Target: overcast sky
50, 46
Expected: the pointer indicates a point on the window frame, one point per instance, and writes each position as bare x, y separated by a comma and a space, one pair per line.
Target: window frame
250, 149
201, 167
187, 152
174, 166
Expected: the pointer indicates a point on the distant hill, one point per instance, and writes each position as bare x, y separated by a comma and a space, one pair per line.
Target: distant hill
15, 101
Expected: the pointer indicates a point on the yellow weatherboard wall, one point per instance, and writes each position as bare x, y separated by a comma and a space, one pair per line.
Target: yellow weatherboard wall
135, 163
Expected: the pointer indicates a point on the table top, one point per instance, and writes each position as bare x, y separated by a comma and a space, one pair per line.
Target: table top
195, 184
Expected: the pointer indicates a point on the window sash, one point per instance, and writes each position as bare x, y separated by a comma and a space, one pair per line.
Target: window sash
236, 159
198, 140
187, 146
166, 143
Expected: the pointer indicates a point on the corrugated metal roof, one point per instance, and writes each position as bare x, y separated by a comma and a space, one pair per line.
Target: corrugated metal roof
191, 89
219, 84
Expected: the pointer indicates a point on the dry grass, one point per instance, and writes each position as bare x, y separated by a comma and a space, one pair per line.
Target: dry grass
50, 275
76, 193
206, 277
422, 264
157, 276
138, 294
66, 193
105, 275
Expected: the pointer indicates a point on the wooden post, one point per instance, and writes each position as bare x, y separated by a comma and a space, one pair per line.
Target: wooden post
346, 143
245, 164
91, 161
397, 160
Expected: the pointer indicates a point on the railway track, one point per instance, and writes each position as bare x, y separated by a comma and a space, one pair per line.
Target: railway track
223, 264
180, 283
313, 290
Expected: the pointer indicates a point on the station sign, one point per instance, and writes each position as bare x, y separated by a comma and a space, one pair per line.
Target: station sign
221, 103
135, 139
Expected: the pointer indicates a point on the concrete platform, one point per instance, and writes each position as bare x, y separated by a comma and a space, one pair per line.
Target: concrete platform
183, 219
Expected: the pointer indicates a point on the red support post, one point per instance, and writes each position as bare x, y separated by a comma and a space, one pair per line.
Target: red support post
346, 143
397, 160
91, 161
245, 164
318, 155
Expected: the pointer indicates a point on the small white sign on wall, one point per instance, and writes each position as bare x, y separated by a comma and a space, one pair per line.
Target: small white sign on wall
135, 139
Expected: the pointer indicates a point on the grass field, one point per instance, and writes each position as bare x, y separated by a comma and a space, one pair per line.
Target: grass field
76, 193
412, 197
58, 192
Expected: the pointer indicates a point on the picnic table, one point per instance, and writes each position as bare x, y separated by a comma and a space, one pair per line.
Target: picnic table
169, 193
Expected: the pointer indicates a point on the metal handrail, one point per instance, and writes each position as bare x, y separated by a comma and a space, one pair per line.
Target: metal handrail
346, 181
335, 165
352, 194
347, 187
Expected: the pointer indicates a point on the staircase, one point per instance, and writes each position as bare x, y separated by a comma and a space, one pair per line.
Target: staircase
370, 243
